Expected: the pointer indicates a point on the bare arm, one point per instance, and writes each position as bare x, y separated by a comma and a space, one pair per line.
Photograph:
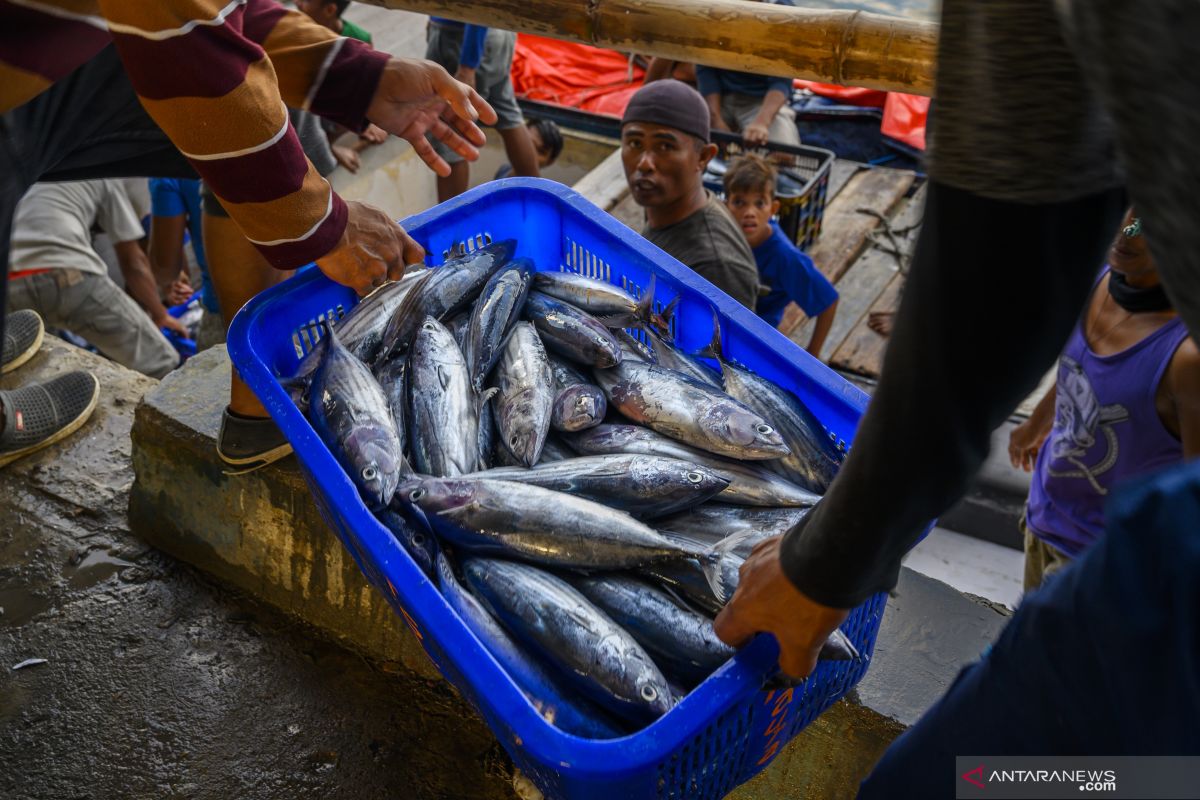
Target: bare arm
756, 132
1184, 377
821, 330
1026, 440
659, 68
166, 248
714, 112
139, 282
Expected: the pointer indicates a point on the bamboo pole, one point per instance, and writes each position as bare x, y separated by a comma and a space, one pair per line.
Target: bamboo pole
850, 48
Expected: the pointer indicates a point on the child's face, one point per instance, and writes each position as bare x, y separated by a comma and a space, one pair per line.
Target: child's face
544, 156
753, 212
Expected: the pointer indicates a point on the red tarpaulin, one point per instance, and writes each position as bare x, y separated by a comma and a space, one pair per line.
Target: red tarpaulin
600, 81
573, 75
904, 117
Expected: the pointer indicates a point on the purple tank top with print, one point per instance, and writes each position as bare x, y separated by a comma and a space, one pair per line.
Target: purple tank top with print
1106, 430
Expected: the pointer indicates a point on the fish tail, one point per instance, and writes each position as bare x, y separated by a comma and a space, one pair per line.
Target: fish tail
710, 563
713, 349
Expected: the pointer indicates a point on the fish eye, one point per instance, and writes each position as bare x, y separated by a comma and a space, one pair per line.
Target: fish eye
649, 693
418, 539
370, 473
428, 326
695, 477
416, 494
764, 429
513, 441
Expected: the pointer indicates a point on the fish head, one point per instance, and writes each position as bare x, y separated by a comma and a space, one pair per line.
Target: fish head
650, 687
702, 479
377, 463
755, 435
435, 495
580, 407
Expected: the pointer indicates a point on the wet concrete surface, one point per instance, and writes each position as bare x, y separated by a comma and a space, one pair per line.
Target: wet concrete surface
158, 683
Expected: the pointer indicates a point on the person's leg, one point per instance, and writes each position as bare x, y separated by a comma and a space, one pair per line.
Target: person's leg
1035, 558
100, 311
456, 182
1082, 667
239, 272
442, 46
494, 82
248, 438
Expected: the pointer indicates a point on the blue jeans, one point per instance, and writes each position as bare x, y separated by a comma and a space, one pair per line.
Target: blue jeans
1104, 659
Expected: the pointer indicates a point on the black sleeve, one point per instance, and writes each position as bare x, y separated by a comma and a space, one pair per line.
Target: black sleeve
994, 290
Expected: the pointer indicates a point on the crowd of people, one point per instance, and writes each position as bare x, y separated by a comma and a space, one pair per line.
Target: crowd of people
1026, 192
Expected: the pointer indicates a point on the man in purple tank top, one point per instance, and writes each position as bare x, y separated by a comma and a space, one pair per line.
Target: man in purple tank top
1126, 402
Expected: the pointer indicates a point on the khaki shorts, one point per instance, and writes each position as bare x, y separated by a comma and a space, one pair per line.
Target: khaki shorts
493, 81
739, 110
1041, 560
95, 308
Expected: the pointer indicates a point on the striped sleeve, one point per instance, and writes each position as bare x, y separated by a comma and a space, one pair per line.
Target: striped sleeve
332, 76
213, 90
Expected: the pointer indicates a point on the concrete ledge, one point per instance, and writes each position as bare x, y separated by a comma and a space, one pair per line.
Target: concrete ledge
262, 533
259, 532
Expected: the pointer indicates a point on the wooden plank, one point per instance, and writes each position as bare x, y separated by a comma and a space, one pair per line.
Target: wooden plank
840, 173
861, 349
845, 229
630, 213
605, 185
849, 48
860, 287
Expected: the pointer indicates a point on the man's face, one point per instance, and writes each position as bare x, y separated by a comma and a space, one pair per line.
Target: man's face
543, 152
320, 11
662, 165
753, 211
1129, 254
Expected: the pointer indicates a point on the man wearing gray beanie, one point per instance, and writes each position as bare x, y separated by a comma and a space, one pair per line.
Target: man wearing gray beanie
664, 149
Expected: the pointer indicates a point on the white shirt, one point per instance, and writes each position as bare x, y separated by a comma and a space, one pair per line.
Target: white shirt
52, 227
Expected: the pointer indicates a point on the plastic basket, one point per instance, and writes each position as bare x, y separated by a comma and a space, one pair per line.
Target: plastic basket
730, 727
802, 205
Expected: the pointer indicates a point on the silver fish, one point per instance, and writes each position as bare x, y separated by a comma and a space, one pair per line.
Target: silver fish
449, 288
561, 625
679, 639
689, 411
750, 484
666, 354
525, 401
458, 326
814, 459
360, 331
633, 348
485, 449
392, 374
558, 704
554, 450
443, 418
572, 333
578, 403
350, 414
519, 520
609, 304
499, 305
697, 584
711, 523
642, 486
419, 545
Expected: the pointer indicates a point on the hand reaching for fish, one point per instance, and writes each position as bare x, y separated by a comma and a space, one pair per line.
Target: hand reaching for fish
373, 249
767, 602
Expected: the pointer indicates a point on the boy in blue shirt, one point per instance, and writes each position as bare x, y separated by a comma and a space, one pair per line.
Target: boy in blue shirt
788, 273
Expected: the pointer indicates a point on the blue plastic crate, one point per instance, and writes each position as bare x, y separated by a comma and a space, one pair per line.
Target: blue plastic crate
726, 730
